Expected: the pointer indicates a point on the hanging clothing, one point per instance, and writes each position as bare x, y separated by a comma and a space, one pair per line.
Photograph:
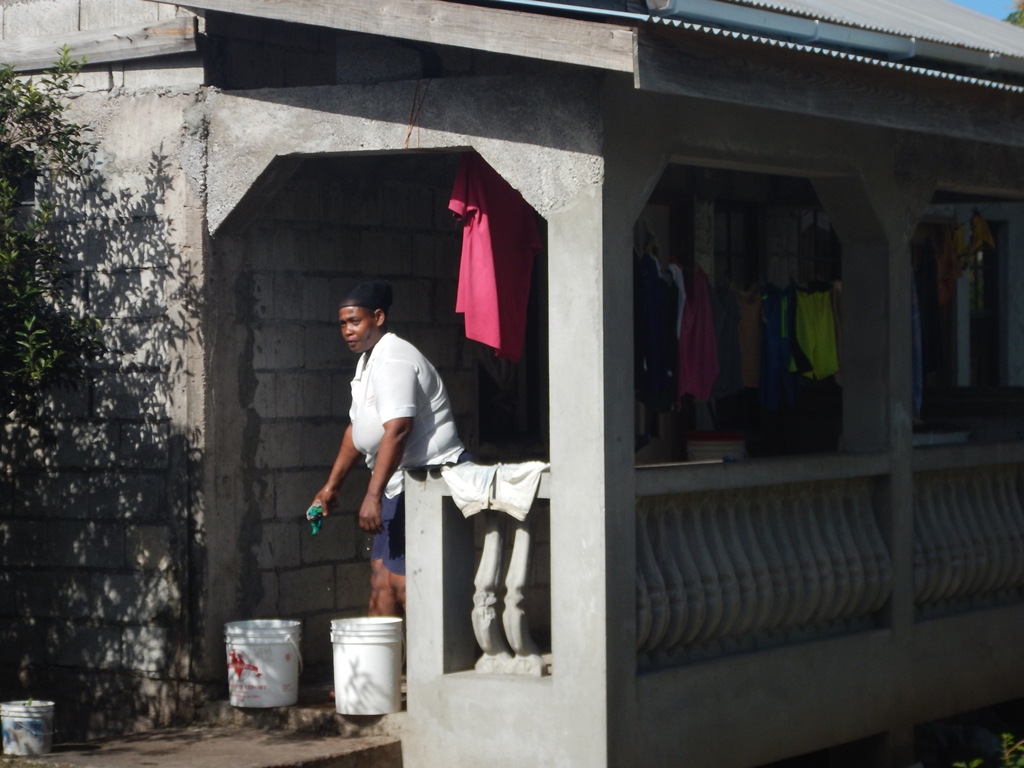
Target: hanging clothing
640, 339
837, 321
677, 279
917, 370
726, 314
777, 382
698, 354
657, 298
499, 242
948, 267
816, 333
751, 320
926, 279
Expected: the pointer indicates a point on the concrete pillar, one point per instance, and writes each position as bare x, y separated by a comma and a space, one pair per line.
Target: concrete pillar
875, 216
635, 155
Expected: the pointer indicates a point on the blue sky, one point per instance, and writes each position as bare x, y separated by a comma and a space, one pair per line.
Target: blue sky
998, 8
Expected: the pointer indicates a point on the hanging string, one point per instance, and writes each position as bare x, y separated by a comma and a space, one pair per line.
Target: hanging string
418, 98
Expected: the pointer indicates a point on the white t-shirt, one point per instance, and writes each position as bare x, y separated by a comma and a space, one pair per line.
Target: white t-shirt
394, 380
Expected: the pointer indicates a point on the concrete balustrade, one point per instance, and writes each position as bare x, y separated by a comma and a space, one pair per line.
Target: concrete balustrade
968, 538
723, 571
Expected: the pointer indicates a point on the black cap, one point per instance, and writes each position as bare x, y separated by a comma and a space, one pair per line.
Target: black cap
369, 294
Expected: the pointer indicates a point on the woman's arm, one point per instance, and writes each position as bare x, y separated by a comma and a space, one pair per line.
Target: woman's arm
389, 457
347, 456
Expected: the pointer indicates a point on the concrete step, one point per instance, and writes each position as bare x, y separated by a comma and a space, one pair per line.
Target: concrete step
310, 734
311, 719
314, 714
221, 747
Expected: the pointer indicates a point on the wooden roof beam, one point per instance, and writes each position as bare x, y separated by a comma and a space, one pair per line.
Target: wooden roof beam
551, 38
102, 46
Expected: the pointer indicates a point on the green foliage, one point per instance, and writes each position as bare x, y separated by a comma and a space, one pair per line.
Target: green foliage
1017, 16
1012, 757
42, 341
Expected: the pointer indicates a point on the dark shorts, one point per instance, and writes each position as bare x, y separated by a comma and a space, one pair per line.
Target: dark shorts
389, 545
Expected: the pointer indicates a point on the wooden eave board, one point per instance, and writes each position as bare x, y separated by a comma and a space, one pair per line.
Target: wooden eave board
102, 46
694, 64
551, 38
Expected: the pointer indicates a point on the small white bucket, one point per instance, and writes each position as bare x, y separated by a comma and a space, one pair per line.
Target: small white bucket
27, 727
367, 665
264, 662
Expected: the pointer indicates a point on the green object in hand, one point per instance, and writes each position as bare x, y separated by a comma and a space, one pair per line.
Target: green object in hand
315, 515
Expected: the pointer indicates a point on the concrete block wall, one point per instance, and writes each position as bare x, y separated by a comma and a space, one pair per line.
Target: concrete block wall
258, 53
46, 18
335, 222
97, 503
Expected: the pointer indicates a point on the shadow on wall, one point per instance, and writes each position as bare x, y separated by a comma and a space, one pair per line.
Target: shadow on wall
98, 503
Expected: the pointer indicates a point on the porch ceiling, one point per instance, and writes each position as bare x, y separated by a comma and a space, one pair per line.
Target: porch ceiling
708, 63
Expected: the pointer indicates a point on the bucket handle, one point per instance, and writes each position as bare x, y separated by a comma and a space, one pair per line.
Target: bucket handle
298, 653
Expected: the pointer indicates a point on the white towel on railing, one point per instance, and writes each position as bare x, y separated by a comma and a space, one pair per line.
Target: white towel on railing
470, 485
510, 488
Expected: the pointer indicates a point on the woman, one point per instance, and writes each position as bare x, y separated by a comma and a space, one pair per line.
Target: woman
400, 418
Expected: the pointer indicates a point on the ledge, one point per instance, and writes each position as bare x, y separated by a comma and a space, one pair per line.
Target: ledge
665, 479
969, 455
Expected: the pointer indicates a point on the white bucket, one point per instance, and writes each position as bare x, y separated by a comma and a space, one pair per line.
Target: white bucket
27, 727
367, 665
264, 662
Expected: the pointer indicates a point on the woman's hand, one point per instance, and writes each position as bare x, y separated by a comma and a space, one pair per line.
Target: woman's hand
370, 515
327, 498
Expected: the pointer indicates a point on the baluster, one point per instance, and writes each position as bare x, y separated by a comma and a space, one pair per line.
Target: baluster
712, 522
945, 547
824, 502
1015, 524
868, 566
711, 585
643, 609
855, 551
756, 548
965, 534
528, 660
920, 568
849, 571
881, 552
1013, 520
653, 579
1000, 566
780, 507
764, 530
486, 625
798, 529
826, 578
696, 604
1003, 498
927, 528
739, 556
664, 553
974, 516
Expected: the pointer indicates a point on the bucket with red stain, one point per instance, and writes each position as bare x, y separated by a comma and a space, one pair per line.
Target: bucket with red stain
264, 662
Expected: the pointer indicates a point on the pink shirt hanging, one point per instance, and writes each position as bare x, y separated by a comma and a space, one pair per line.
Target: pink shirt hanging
499, 242
698, 352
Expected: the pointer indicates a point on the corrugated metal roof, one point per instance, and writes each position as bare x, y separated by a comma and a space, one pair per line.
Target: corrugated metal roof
924, 71
939, 21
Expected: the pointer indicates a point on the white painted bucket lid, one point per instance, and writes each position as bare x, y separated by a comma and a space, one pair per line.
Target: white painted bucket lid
28, 708
366, 629
262, 629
